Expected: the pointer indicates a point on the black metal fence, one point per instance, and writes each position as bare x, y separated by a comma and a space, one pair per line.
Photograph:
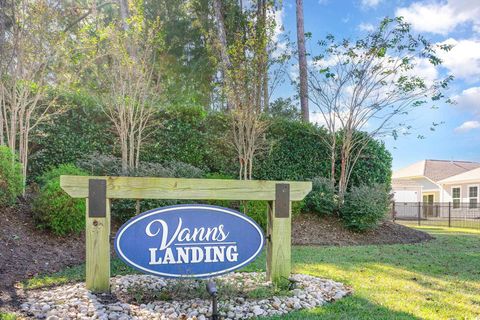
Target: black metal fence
446, 214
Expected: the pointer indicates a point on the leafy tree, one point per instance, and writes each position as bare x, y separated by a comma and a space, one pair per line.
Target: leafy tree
284, 108
32, 60
123, 56
243, 62
186, 65
370, 81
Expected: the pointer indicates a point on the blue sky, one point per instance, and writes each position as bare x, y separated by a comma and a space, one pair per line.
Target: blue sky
454, 21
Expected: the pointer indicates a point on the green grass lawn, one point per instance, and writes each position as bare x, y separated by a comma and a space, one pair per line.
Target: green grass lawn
435, 280
7, 316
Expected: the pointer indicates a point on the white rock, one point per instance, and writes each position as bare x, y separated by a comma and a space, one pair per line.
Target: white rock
75, 302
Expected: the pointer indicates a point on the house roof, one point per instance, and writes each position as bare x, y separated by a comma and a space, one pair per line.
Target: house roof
472, 176
435, 170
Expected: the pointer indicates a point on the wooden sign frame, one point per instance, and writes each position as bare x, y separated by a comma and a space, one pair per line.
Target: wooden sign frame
97, 193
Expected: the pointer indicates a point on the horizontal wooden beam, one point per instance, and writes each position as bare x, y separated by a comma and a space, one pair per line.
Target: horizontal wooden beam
179, 188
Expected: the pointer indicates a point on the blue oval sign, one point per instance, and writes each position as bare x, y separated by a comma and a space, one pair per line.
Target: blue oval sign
189, 241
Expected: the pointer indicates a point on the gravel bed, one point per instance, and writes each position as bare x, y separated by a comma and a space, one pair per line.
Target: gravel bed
74, 301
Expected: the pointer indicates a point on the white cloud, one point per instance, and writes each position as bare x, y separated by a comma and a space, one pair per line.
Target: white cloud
276, 15
293, 72
366, 27
441, 17
346, 19
468, 125
463, 61
370, 3
281, 45
469, 100
425, 70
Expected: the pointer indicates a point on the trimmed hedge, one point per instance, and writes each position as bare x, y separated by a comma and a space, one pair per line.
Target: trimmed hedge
374, 165
53, 208
194, 136
69, 136
297, 152
11, 180
191, 142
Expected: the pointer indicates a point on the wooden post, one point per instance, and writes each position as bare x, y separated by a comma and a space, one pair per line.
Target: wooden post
279, 232
97, 237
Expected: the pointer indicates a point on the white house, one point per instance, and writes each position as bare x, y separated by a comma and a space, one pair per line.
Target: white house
462, 188
431, 181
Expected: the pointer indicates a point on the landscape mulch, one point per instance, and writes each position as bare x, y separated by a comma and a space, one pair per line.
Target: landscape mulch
26, 251
310, 229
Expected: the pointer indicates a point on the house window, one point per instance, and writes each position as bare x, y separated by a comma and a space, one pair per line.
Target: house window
473, 197
456, 197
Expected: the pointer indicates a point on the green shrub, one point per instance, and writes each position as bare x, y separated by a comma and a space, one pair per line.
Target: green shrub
322, 199
108, 165
53, 208
97, 164
55, 173
11, 181
298, 207
257, 210
365, 206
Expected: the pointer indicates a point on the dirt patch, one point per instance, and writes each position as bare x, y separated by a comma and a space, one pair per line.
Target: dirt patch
310, 229
26, 251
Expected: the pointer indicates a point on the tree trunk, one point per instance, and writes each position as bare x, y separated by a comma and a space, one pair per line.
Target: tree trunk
302, 62
341, 182
222, 39
3, 24
265, 63
266, 100
261, 61
333, 157
124, 150
124, 13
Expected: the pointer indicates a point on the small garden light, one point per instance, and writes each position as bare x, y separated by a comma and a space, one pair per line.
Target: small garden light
212, 291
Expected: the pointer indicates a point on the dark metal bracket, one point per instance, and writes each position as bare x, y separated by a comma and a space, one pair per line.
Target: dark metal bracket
282, 200
97, 198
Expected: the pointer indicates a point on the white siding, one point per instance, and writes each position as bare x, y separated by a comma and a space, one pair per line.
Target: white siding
406, 196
